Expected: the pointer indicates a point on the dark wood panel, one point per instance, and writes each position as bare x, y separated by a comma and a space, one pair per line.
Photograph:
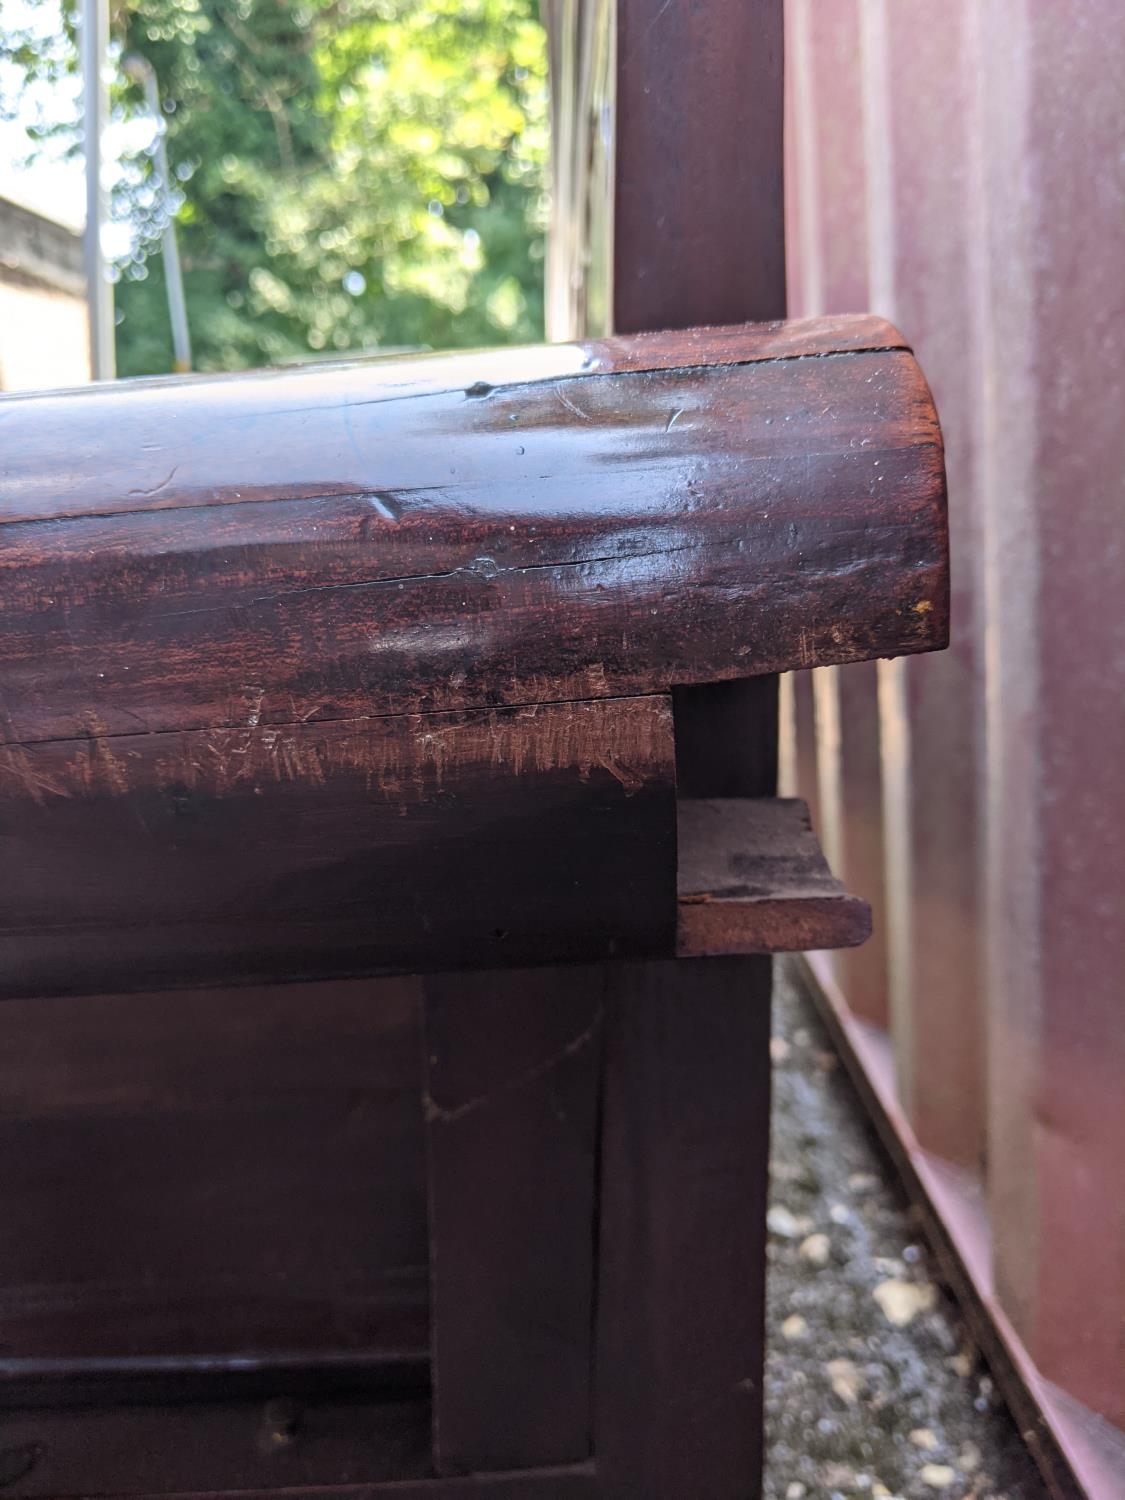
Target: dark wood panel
226, 1184
605, 535
315, 1449
682, 1230
571, 1482
514, 1071
414, 843
265, 1446
726, 738
753, 879
200, 1051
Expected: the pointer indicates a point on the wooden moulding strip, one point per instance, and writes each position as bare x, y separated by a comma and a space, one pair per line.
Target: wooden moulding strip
752, 879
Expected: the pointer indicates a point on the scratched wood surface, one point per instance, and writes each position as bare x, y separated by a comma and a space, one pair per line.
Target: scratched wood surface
407, 843
269, 550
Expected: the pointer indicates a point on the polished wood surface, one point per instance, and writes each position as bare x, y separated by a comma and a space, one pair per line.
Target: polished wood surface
330, 544
751, 878
302, 672
227, 428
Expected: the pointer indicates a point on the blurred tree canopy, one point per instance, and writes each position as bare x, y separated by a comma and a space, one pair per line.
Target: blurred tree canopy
349, 174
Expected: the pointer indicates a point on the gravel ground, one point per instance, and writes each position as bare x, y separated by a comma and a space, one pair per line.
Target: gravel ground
871, 1387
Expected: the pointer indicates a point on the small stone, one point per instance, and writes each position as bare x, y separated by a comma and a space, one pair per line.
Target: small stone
794, 1327
796, 1491
886, 1266
839, 1477
779, 1049
862, 1182
961, 1364
839, 1214
923, 1438
969, 1458
816, 1249
846, 1379
937, 1476
784, 1224
902, 1301
826, 1062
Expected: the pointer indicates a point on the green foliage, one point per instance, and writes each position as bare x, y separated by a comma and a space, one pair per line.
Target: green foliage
350, 175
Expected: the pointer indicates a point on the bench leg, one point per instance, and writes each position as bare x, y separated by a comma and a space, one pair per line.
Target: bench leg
681, 1251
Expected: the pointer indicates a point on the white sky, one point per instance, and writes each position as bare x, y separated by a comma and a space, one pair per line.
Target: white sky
55, 185
56, 189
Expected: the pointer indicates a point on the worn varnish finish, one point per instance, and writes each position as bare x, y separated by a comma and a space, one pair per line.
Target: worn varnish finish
300, 673
223, 423
752, 879
405, 843
274, 550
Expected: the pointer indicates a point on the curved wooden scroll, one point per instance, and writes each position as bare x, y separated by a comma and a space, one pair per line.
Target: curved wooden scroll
568, 522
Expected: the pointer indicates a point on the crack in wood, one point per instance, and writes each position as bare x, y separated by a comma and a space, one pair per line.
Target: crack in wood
441, 1115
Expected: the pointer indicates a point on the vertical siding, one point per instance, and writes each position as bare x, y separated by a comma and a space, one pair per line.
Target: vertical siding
956, 165
929, 119
1057, 698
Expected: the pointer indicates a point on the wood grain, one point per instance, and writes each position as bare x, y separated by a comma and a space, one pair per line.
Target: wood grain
752, 879
273, 550
405, 844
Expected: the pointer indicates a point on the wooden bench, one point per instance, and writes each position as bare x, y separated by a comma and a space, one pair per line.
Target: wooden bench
316, 681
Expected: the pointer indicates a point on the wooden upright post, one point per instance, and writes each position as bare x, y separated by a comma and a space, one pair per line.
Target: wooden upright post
698, 238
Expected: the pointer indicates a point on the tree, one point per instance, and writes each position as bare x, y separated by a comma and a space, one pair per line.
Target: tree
350, 174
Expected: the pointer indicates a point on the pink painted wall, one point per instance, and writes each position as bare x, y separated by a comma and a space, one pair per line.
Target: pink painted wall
957, 166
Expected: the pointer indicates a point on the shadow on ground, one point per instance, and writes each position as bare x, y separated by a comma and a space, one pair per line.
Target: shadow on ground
872, 1388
